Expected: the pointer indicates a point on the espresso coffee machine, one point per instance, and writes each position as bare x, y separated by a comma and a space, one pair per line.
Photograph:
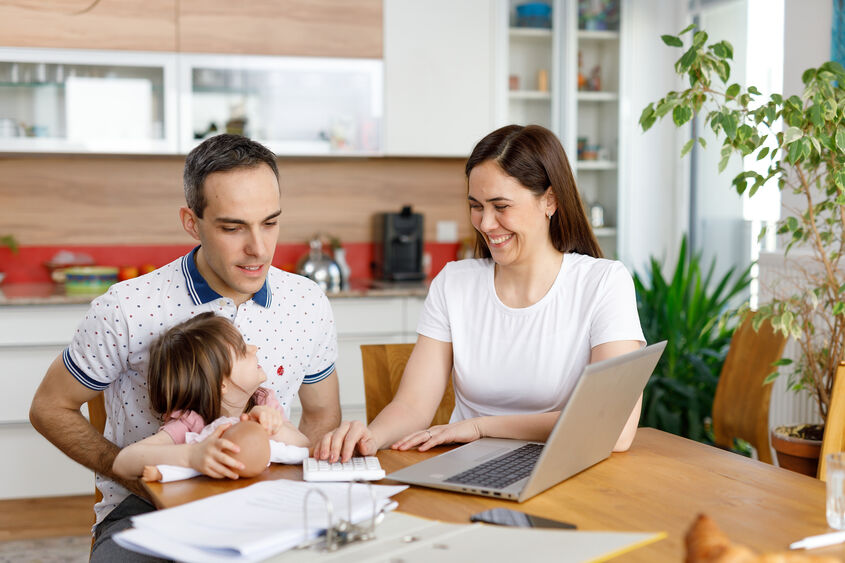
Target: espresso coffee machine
398, 254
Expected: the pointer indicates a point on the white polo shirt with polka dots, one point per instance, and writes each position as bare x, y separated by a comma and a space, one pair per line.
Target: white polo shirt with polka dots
289, 319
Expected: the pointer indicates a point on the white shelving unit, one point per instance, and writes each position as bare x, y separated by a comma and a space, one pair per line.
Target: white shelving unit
596, 117
586, 115
530, 80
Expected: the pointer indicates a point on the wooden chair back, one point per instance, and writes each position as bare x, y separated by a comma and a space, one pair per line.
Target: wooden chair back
741, 404
97, 418
834, 427
383, 368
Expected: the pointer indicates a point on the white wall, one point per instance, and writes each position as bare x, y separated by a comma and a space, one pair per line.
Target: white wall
720, 232
807, 29
806, 43
654, 206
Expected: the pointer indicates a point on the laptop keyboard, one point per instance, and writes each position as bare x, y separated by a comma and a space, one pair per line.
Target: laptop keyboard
501, 471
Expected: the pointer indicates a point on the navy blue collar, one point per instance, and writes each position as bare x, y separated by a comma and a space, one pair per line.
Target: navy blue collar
201, 292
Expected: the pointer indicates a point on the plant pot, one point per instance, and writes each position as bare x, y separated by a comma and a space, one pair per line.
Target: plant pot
796, 454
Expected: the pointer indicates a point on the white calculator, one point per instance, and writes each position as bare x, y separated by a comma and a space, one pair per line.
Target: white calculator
363, 468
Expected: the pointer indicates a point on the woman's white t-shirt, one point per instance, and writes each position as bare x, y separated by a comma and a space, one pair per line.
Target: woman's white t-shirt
528, 360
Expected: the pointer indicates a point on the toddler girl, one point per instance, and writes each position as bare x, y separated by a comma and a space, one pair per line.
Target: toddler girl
202, 378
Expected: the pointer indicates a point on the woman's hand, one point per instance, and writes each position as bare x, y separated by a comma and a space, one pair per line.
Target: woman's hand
346, 439
460, 432
268, 417
210, 458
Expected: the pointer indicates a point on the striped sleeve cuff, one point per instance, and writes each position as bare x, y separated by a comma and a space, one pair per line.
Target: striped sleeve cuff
80, 375
319, 376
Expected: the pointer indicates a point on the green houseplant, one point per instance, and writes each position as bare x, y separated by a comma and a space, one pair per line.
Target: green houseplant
11, 243
685, 310
805, 158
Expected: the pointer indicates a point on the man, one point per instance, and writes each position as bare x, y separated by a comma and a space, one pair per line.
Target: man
233, 207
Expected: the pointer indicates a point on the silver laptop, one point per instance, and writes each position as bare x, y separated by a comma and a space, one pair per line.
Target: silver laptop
584, 434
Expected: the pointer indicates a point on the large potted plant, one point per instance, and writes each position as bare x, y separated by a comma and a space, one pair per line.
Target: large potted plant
684, 309
802, 140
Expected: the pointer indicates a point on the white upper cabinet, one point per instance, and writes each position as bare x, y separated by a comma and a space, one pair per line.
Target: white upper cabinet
61, 100
440, 83
64, 100
294, 105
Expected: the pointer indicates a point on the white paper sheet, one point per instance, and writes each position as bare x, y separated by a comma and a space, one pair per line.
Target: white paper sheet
252, 523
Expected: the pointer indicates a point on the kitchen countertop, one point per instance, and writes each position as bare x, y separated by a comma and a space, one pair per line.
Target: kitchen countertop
12, 294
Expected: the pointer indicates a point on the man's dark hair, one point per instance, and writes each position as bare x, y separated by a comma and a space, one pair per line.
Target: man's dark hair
218, 154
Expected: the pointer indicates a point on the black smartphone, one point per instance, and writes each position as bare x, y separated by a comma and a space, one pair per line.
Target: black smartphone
507, 517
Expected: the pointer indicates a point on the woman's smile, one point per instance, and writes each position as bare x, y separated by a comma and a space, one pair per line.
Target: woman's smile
499, 240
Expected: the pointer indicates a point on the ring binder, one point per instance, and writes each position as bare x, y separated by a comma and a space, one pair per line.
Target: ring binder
345, 531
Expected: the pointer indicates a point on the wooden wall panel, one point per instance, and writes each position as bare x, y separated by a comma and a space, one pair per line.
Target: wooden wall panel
320, 28
91, 200
110, 24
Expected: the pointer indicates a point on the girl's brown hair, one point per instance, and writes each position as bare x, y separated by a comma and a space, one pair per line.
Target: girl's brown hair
534, 156
188, 363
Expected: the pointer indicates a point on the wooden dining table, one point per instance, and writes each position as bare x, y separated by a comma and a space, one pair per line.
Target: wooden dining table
660, 485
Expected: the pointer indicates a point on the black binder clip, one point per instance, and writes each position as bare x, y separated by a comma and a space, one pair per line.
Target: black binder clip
343, 532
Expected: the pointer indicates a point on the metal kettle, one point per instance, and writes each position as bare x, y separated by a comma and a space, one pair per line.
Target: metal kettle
319, 266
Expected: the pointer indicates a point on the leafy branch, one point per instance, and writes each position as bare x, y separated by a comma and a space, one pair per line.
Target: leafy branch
801, 141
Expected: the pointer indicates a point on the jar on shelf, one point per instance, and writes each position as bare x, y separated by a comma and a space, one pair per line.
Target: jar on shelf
534, 14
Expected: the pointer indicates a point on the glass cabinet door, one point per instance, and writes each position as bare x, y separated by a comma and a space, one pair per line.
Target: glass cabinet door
87, 101
294, 105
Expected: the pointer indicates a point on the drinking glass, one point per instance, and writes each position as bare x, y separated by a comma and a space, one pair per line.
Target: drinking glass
835, 474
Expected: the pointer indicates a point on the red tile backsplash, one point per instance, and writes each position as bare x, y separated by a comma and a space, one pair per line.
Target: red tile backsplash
28, 264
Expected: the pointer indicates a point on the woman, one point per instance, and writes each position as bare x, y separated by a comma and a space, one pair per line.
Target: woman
516, 326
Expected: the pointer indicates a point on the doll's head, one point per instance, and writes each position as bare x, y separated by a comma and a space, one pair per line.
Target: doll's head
189, 364
254, 446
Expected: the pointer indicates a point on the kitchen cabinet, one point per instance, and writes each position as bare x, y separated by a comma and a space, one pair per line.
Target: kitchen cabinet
325, 28
565, 76
32, 336
63, 100
317, 28
293, 105
90, 24
439, 59
30, 339
58, 100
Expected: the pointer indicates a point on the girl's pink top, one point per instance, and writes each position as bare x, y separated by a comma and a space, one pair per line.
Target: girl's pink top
182, 422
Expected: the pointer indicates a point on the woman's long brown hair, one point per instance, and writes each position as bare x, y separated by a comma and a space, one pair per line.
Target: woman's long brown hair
534, 156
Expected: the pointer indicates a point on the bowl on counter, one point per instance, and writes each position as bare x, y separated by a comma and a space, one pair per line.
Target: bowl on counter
89, 279
57, 269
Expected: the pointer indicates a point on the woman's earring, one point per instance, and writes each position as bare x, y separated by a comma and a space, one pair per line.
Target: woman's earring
549, 215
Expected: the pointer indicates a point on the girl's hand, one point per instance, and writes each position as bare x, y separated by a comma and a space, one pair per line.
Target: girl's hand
210, 457
290, 435
268, 417
464, 431
343, 441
